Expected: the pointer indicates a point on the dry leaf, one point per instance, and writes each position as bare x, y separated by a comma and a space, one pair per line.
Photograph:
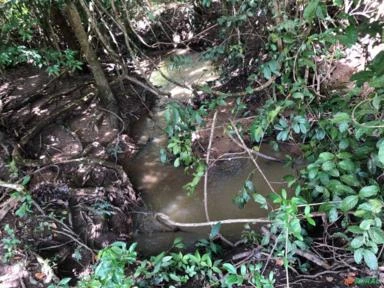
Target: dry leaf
40, 276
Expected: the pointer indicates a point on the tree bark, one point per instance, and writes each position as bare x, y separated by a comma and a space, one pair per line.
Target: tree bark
107, 98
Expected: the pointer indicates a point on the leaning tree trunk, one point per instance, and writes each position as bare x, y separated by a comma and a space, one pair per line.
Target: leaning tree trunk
106, 96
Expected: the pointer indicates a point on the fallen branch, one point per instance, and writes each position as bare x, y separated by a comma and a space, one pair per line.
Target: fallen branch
165, 219
147, 87
242, 93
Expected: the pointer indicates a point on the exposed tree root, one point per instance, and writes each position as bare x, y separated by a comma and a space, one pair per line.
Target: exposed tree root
37, 128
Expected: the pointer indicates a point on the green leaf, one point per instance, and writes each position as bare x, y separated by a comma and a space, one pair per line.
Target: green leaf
377, 64
350, 180
358, 255
174, 277
370, 259
215, 230
346, 165
377, 82
377, 235
355, 229
381, 152
230, 268
258, 198
26, 180
310, 10
357, 242
328, 166
366, 224
334, 173
361, 77
295, 228
326, 156
332, 215
233, 279
368, 191
349, 202
350, 37
340, 117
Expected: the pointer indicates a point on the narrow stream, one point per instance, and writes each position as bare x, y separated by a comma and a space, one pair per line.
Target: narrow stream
161, 185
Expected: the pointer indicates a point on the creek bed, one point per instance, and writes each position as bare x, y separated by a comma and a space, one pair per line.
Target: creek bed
161, 186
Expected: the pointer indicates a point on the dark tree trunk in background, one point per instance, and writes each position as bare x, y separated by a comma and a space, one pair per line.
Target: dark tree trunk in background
105, 93
64, 31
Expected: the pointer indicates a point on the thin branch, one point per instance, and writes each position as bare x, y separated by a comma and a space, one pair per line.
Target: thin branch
252, 158
169, 222
207, 163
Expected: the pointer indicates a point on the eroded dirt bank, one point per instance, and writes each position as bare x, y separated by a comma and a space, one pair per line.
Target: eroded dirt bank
56, 131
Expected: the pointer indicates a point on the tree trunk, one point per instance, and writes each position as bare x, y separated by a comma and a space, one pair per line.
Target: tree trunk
105, 93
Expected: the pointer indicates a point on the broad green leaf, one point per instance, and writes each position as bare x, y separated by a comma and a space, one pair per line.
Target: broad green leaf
346, 165
233, 279
349, 202
344, 155
332, 215
366, 224
350, 36
26, 180
357, 242
358, 255
258, 198
381, 152
328, 166
368, 191
377, 235
230, 268
295, 228
377, 82
370, 259
361, 77
310, 10
340, 117
350, 180
334, 173
326, 156
355, 229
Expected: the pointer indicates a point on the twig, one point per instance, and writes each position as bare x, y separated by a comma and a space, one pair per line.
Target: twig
243, 93
17, 187
257, 153
74, 239
286, 257
207, 163
252, 158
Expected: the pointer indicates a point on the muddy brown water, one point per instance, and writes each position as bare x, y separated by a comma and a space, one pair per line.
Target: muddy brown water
161, 186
